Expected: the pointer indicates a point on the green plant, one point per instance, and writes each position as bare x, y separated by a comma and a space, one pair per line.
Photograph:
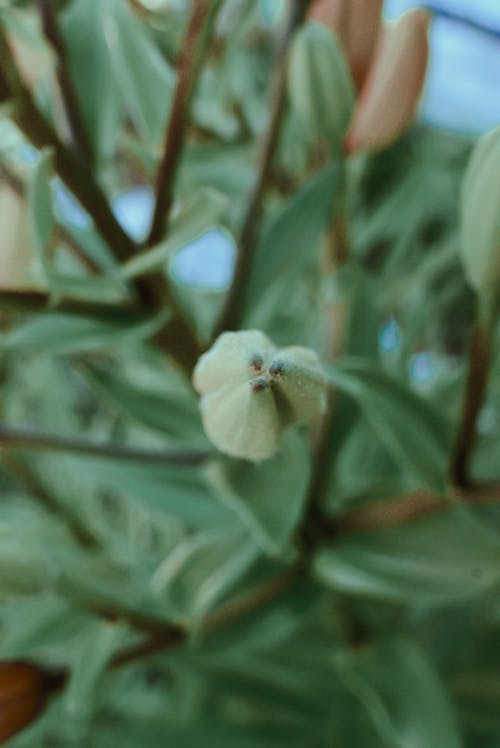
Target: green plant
155, 591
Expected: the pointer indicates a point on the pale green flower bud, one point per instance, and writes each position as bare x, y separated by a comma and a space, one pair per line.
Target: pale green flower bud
251, 391
320, 85
480, 208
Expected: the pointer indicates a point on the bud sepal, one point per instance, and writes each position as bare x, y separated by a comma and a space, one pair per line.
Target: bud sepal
251, 391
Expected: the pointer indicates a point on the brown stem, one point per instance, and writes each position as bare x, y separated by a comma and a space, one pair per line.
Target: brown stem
149, 646
50, 24
387, 513
339, 239
113, 611
177, 339
73, 172
254, 598
475, 390
20, 439
193, 47
312, 520
378, 515
231, 313
399, 510
224, 615
19, 300
163, 635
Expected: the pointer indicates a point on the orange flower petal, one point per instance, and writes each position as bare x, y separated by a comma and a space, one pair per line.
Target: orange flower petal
390, 94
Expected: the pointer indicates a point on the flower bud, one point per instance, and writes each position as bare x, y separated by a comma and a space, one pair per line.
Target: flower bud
391, 91
330, 12
480, 215
363, 27
319, 84
24, 689
356, 24
251, 391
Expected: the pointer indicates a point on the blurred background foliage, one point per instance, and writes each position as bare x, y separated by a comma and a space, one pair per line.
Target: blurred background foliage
188, 599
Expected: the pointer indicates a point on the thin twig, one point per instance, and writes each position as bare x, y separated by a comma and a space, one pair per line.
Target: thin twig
231, 313
19, 300
148, 647
386, 513
73, 172
379, 515
254, 598
193, 47
176, 338
22, 439
312, 519
113, 611
224, 615
50, 24
400, 510
475, 390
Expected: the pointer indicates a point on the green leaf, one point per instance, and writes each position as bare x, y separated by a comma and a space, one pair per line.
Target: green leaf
31, 544
289, 247
476, 691
88, 288
70, 333
98, 643
412, 430
41, 210
227, 168
269, 496
95, 248
203, 568
357, 292
480, 205
200, 213
209, 733
444, 558
398, 687
178, 491
143, 75
172, 412
89, 29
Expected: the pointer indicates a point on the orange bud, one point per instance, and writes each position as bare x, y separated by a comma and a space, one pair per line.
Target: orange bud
390, 94
356, 24
24, 689
363, 26
330, 12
